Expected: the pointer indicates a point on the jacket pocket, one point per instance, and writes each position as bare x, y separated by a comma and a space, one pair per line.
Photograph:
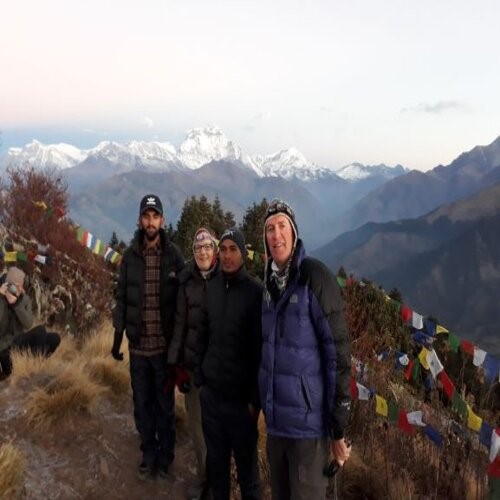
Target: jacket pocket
305, 393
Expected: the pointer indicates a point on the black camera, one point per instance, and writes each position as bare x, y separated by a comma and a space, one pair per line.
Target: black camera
333, 467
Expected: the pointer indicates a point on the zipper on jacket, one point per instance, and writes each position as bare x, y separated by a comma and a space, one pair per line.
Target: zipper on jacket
305, 394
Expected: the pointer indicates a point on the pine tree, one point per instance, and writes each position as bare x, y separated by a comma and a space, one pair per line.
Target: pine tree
252, 227
113, 242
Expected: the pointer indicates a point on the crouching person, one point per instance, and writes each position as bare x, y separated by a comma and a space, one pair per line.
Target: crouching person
16, 315
228, 353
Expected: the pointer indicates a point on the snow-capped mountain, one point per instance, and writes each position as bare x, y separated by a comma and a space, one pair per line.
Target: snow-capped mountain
203, 145
35, 153
287, 164
135, 154
357, 171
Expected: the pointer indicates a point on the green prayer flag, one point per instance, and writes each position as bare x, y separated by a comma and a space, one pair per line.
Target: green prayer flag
341, 281
79, 234
459, 405
22, 256
256, 257
396, 304
393, 412
416, 369
454, 342
49, 213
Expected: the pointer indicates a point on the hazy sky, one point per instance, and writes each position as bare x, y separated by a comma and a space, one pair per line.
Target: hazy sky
393, 81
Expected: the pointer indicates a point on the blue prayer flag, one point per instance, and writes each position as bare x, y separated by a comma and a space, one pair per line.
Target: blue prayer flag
433, 435
485, 434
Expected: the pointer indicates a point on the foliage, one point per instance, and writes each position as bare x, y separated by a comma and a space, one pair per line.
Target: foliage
198, 213
252, 227
70, 264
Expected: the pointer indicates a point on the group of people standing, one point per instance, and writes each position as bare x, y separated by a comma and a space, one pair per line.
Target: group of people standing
235, 346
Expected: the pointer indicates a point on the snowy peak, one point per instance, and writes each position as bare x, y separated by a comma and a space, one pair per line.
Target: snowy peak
357, 171
35, 153
203, 145
287, 163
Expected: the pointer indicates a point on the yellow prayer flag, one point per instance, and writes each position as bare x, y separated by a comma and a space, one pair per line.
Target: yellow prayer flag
250, 254
10, 257
381, 405
441, 329
40, 204
423, 358
474, 421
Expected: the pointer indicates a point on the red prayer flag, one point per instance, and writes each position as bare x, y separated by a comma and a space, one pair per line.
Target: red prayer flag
467, 347
354, 389
409, 370
448, 386
406, 313
403, 423
494, 468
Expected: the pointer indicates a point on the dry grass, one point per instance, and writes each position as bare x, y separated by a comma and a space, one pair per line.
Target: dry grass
27, 366
71, 392
12, 464
109, 373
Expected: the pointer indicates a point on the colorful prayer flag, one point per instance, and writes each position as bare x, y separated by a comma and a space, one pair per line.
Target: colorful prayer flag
406, 313
341, 281
473, 421
479, 356
491, 368
354, 389
409, 370
495, 444
435, 364
433, 435
423, 358
363, 392
485, 434
392, 412
459, 405
417, 321
454, 342
381, 405
448, 386
10, 257
441, 329
415, 418
403, 423
467, 347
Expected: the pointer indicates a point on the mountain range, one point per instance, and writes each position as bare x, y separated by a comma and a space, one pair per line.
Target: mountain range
106, 181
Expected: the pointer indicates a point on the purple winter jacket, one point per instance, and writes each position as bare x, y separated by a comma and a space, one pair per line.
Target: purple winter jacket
305, 367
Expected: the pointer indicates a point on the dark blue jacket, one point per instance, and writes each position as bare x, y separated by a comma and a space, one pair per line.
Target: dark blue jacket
305, 367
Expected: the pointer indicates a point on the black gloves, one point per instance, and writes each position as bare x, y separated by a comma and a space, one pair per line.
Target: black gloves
117, 342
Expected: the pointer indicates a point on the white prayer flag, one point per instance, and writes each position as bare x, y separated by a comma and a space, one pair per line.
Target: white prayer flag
417, 321
415, 418
435, 365
479, 356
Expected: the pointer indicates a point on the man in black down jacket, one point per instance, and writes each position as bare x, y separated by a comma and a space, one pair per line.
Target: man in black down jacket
145, 309
228, 356
193, 282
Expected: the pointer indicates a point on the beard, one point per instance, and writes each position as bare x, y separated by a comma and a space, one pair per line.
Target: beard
151, 233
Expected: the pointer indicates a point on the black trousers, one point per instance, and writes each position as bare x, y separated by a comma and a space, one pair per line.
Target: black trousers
38, 341
5, 364
229, 427
154, 412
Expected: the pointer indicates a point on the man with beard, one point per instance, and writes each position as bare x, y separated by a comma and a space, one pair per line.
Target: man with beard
145, 310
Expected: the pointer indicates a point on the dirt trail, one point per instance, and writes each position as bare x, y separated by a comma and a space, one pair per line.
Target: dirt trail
91, 456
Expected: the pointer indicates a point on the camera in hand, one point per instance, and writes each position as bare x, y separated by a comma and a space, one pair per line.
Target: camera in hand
12, 289
333, 467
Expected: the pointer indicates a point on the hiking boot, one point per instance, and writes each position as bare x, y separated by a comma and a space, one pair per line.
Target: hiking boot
145, 472
163, 473
198, 491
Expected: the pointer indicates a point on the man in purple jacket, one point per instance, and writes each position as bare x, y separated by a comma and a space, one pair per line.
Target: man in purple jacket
305, 367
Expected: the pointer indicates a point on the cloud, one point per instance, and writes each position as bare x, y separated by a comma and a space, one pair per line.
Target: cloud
326, 109
263, 116
436, 108
257, 120
147, 122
